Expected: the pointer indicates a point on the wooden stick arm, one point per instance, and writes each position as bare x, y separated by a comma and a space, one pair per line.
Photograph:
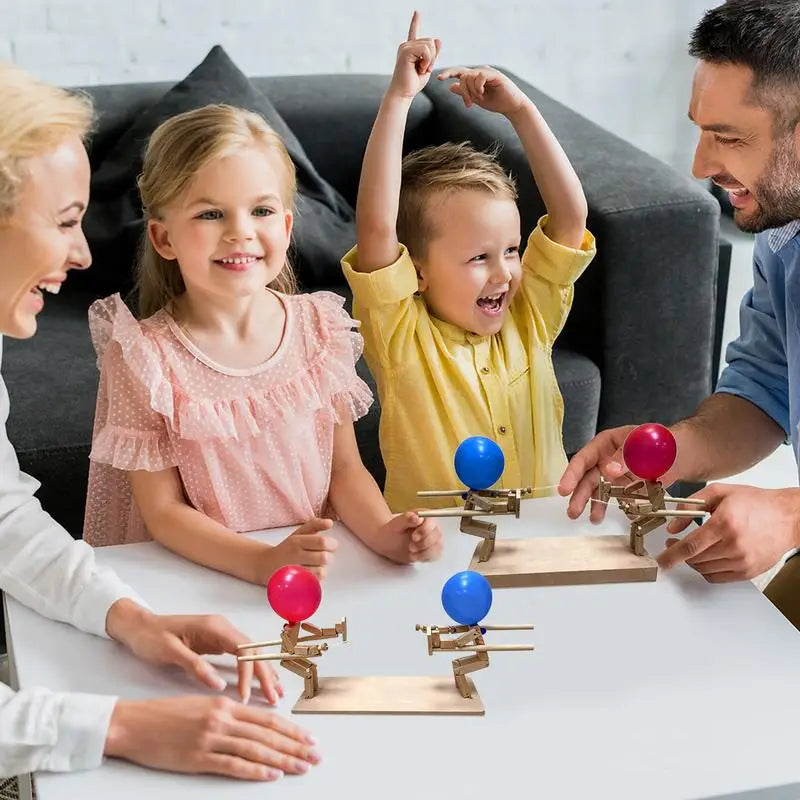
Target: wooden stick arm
689, 501
481, 492
278, 657
251, 645
453, 512
664, 512
485, 648
507, 627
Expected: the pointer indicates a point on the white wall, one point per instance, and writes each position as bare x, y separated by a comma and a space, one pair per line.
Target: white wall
622, 63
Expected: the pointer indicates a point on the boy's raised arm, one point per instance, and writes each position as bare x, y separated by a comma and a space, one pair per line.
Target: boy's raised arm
379, 187
558, 184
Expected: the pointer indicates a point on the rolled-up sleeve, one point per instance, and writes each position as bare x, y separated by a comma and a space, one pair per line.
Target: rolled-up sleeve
51, 731
757, 366
549, 272
383, 301
42, 566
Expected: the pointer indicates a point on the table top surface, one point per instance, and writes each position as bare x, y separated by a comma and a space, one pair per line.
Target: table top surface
665, 689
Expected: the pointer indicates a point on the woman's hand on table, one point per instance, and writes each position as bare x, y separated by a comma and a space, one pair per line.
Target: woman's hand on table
182, 640
208, 735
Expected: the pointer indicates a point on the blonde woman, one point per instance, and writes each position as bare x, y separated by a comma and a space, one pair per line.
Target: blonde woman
44, 187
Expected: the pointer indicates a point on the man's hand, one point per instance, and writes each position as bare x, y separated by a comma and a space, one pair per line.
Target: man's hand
211, 735
415, 59
748, 532
308, 547
408, 537
181, 640
602, 457
487, 88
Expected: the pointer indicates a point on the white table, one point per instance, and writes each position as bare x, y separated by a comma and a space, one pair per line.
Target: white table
672, 689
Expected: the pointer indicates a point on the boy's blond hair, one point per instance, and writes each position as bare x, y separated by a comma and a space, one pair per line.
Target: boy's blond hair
443, 169
176, 151
36, 118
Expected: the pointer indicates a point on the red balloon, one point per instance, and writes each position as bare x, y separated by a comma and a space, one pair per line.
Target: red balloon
649, 451
294, 593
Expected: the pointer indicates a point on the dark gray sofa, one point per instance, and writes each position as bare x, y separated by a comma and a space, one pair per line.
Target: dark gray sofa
637, 346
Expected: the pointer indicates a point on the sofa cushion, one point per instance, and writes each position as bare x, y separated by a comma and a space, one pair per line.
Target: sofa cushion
579, 381
324, 226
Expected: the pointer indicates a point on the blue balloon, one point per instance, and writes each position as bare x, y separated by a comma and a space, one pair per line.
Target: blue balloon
479, 462
467, 597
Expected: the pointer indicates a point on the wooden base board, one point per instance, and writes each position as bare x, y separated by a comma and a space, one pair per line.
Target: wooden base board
564, 561
382, 694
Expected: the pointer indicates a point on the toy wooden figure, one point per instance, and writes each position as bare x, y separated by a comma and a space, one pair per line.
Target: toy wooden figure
536, 561
649, 451
295, 594
479, 463
470, 641
467, 598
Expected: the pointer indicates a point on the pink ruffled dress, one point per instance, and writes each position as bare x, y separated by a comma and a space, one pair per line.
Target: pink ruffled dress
253, 446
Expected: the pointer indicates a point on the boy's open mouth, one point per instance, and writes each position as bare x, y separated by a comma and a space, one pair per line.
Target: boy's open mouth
492, 304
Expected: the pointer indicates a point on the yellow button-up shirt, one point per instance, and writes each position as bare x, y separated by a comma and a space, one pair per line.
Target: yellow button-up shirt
439, 384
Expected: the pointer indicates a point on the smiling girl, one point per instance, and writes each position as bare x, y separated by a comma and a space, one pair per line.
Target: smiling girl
230, 406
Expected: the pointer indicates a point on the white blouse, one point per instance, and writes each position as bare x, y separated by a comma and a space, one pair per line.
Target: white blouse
42, 566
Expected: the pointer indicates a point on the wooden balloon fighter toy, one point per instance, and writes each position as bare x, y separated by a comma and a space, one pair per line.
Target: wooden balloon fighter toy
479, 463
295, 593
561, 560
467, 598
649, 452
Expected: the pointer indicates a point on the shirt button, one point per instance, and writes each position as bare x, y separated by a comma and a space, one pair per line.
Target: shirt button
485, 370
502, 429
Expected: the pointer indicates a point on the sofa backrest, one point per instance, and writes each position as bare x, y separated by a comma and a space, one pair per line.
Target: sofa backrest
331, 115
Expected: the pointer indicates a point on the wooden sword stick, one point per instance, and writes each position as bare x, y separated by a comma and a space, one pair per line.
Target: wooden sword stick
452, 512
250, 645
507, 627
484, 648
667, 513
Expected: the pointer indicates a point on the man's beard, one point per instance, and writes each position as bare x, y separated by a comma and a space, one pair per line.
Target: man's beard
777, 191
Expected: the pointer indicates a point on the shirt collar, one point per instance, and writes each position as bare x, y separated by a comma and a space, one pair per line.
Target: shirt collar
780, 237
456, 334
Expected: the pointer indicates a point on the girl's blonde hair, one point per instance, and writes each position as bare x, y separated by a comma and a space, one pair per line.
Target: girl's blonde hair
177, 150
36, 117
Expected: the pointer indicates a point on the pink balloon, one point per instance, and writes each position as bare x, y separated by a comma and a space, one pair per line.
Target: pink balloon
649, 451
294, 593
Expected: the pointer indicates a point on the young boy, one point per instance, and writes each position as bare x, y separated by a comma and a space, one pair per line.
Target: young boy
458, 330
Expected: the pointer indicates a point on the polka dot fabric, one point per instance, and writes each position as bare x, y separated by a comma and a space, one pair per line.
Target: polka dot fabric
253, 447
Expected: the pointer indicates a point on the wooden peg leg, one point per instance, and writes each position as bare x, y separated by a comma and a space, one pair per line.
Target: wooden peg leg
486, 530
307, 670
462, 666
